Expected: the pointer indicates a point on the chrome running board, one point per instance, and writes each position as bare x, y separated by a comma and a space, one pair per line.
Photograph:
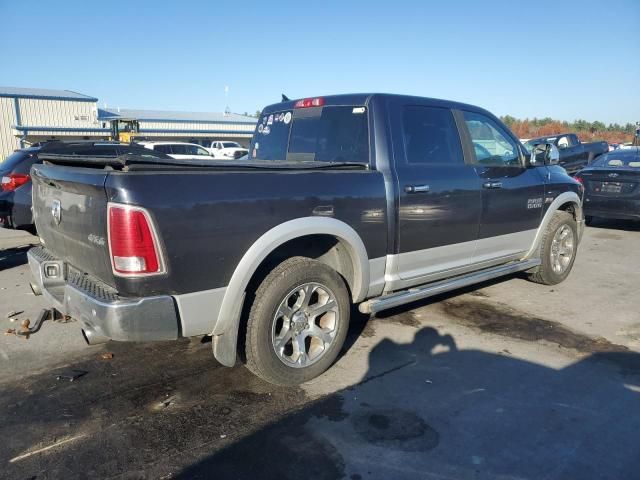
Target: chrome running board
418, 293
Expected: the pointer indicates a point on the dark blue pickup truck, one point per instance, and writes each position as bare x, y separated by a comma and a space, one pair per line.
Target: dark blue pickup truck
370, 199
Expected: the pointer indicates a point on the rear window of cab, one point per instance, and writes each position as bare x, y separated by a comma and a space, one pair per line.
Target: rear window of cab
326, 134
618, 160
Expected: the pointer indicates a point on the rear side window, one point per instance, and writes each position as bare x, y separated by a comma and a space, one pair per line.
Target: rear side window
162, 148
179, 150
143, 152
616, 159
189, 150
325, 134
96, 151
430, 136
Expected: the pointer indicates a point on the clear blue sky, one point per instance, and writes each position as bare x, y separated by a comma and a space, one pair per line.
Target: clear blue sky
563, 59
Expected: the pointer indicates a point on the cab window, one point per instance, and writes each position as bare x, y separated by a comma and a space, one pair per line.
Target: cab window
430, 136
323, 134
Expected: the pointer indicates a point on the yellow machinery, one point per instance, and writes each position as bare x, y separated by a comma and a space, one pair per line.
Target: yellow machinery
124, 130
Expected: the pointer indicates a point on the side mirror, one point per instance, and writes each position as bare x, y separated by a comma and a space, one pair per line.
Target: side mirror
544, 154
553, 155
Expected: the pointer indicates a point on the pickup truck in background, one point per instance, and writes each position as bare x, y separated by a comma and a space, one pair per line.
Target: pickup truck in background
226, 150
574, 155
370, 199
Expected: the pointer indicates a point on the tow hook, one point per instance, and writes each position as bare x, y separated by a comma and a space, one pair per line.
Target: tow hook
26, 330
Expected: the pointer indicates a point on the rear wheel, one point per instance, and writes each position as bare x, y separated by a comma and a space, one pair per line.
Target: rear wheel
298, 322
557, 250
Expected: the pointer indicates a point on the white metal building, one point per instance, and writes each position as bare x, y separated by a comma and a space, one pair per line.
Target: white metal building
195, 127
31, 115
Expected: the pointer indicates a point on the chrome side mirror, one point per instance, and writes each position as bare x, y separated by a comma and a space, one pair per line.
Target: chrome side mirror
553, 155
545, 154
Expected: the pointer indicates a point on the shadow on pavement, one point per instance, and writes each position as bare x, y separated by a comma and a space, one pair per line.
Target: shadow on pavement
423, 409
13, 257
429, 410
611, 224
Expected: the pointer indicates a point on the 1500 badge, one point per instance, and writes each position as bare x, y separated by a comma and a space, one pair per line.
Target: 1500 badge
534, 203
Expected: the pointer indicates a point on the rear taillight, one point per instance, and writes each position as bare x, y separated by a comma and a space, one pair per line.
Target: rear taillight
14, 180
132, 242
309, 102
578, 179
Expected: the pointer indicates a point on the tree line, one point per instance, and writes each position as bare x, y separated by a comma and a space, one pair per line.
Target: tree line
587, 131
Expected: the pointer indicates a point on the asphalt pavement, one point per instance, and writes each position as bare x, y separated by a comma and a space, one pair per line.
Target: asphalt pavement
505, 380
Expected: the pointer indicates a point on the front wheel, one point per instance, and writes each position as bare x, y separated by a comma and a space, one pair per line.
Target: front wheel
298, 322
557, 250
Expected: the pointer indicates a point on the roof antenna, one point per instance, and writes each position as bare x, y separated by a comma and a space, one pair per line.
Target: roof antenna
285, 98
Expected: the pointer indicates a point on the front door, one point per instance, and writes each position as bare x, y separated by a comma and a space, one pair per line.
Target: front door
439, 194
512, 193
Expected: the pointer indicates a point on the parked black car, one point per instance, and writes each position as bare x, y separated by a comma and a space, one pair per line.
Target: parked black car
574, 154
15, 189
612, 186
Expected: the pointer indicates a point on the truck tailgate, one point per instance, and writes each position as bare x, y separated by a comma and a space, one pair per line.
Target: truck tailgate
70, 212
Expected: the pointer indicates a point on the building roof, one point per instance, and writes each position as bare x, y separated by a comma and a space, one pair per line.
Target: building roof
45, 94
173, 116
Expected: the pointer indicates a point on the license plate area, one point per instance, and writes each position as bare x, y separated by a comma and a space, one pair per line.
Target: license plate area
608, 187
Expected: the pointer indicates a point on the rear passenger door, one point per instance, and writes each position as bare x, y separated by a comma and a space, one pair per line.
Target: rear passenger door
512, 193
439, 194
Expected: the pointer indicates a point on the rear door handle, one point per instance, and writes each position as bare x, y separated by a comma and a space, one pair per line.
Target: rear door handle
416, 188
492, 185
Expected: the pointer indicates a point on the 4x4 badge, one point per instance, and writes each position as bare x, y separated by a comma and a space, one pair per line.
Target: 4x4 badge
56, 211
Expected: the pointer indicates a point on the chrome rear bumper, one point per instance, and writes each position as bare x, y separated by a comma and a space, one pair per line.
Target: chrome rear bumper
98, 307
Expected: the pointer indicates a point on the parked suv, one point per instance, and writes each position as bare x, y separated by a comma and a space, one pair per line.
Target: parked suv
179, 150
15, 189
375, 200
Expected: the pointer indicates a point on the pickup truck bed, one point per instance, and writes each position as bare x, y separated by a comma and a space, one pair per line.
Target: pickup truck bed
378, 199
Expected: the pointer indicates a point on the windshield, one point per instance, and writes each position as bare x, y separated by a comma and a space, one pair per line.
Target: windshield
324, 134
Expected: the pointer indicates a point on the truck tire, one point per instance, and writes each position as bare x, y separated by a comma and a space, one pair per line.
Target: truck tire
297, 323
557, 250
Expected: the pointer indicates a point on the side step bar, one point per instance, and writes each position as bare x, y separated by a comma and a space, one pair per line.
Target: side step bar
418, 293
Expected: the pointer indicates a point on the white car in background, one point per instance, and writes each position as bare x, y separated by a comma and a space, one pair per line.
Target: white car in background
180, 150
227, 150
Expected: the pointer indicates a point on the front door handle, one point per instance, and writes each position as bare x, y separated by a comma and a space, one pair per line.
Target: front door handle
492, 185
416, 188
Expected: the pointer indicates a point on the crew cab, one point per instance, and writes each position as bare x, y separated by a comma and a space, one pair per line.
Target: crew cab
369, 199
574, 154
226, 150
